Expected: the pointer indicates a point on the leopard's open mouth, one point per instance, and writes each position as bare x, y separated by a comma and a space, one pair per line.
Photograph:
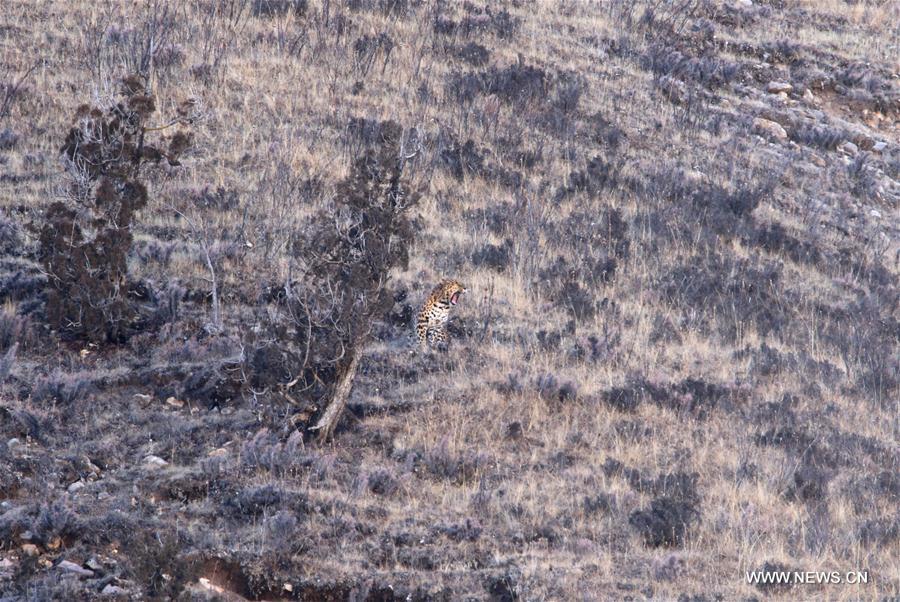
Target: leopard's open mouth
454, 298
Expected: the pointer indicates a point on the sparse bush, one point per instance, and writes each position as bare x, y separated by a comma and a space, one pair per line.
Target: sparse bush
707, 71
345, 256
728, 296
279, 8
666, 522
495, 257
473, 53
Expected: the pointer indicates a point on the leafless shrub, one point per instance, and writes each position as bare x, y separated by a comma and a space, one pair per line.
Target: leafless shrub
368, 48
345, 256
13, 89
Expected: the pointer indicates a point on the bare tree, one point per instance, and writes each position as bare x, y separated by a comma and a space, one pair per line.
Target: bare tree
344, 259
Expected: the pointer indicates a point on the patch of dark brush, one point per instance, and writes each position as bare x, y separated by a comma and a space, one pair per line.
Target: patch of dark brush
458, 532
770, 581
496, 218
633, 430
472, 53
267, 451
504, 586
865, 333
663, 330
809, 483
880, 531
600, 503
604, 132
628, 397
595, 348
708, 71
597, 176
440, 463
494, 257
382, 483
278, 8
388, 8
462, 160
820, 136
218, 199
516, 84
775, 239
550, 388
726, 295
65, 388
666, 522
10, 237
500, 23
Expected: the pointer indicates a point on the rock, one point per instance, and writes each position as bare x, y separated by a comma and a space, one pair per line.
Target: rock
13, 443
879, 146
743, 3
113, 590
175, 403
152, 461
93, 564
769, 129
809, 97
849, 148
219, 452
779, 87
29, 549
875, 213
75, 487
6, 568
26, 535
71, 567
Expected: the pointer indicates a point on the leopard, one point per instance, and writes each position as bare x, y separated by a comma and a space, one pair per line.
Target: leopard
431, 326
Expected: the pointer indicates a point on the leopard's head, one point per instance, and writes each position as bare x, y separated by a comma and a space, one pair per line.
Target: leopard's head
452, 289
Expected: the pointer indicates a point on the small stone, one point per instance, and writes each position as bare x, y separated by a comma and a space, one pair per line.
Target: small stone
6, 568
152, 461
875, 213
175, 403
219, 452
743, 3
13, 443
26, 535
75, 487
71, 567
113, 590
29, 549
850, 148
93, 564
287, 587
769, 129
879, 146
808, 96
779, 87
143, 397
54, 543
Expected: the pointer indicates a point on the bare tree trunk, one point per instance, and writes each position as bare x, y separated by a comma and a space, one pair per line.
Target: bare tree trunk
335, 409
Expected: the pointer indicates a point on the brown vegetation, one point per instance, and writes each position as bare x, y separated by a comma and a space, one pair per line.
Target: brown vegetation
677, 361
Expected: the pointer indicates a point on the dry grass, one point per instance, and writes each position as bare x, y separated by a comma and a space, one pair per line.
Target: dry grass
758, 363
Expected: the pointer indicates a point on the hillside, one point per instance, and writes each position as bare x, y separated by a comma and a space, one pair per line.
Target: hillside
678, 360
